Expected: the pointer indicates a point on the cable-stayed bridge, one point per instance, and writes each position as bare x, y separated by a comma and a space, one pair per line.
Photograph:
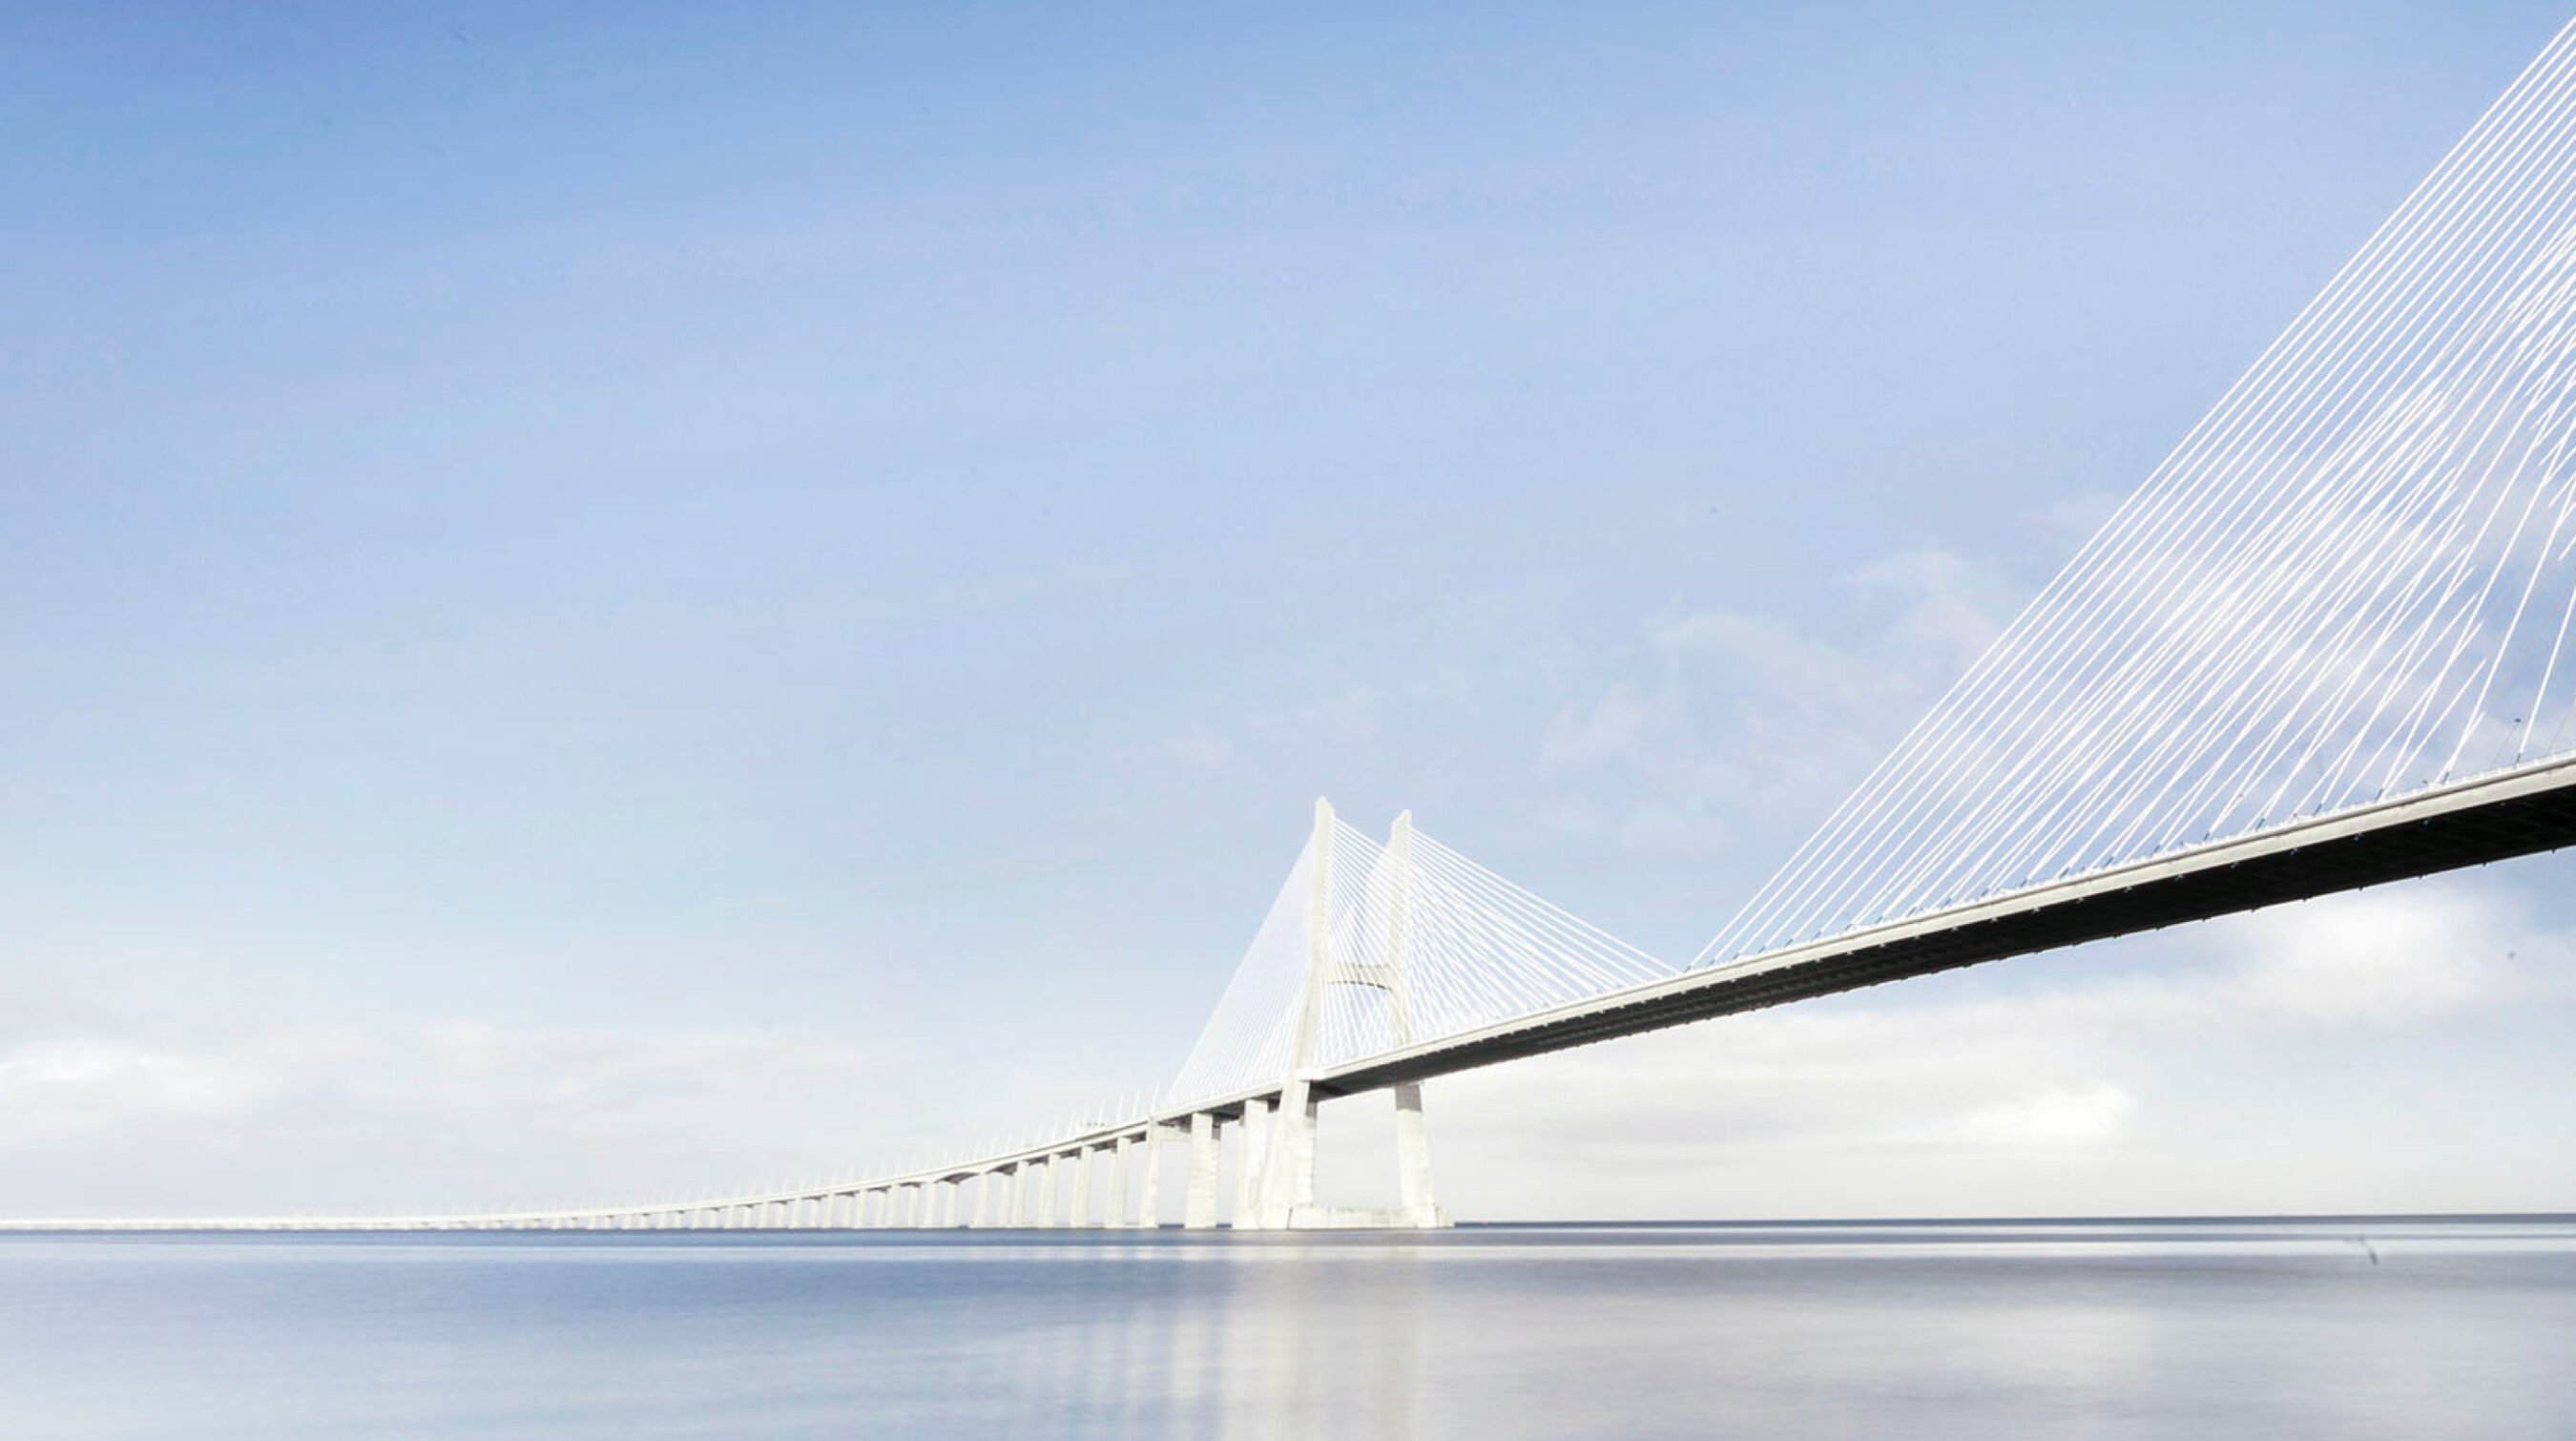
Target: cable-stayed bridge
2324, 646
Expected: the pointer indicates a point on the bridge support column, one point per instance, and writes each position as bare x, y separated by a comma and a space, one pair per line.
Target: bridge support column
1149, 1209
1289, 1179
1079, 1212
1046, 1190
1115, 1215
1252, 1156
1198, 1211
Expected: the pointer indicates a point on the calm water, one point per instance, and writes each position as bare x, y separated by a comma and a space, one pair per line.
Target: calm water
2351, 1329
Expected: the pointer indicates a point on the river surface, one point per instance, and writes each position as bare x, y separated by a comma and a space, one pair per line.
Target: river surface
2330, 1329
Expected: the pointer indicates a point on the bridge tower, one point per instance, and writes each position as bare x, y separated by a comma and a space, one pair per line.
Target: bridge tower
1285, 1184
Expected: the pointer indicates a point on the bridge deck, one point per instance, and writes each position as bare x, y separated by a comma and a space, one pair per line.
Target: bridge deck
2492, 818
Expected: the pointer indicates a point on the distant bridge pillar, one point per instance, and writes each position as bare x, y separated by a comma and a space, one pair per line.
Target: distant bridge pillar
1115, 1213
1080, 1211
1047, 1167
1413, 1159
1149, 1207
1198, 1210
1251, 1155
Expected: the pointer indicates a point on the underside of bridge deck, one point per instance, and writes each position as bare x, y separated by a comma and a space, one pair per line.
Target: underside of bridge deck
2526, 814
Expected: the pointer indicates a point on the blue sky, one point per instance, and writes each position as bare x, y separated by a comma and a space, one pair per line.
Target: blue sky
605, 600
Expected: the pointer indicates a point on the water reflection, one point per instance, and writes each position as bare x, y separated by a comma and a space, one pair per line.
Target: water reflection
2395, 1330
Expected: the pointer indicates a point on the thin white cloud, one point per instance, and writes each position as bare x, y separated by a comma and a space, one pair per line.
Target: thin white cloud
345, 1117
2066, 1116
1752, 726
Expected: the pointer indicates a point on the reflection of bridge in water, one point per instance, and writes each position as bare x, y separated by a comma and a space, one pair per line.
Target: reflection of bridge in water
2319, 649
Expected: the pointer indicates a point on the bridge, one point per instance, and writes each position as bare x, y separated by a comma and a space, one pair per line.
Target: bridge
2321, 648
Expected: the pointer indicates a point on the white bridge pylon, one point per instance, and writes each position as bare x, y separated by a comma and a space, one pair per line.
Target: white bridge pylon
1370, 949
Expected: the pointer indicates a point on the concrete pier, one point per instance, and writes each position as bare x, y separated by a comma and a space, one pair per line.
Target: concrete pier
1046, 1212
1198, 1204
1252, 1156
1116, 1214
1149, 1209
